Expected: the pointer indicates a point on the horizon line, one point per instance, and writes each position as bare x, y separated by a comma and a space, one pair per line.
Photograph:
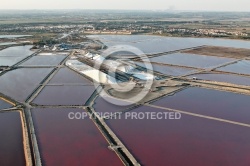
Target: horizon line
152, 10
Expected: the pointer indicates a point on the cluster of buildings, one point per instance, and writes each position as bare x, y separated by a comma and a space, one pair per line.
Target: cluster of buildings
123, 28
93, 28
206, 32
122, 32
45, 28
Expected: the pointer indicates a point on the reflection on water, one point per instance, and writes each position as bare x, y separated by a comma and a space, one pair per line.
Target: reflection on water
157, 44
12, 55
19, 84
64, 95
241, 67
21, 51
13, 36
9, 61
67, 76
44, 60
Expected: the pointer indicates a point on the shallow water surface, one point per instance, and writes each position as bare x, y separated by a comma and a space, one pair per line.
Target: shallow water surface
9, 61
168, 70
64, 95
52, 60
12, 55
21, 51
4, 104
104, 106
19, 84
70, 142
149, 44
13, 36
7, 43
241, 67
11, 140
219, 104
191, 60
187, 141
67, 76
229, 78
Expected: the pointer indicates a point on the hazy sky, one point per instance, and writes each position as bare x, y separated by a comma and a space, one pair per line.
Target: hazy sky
214, 5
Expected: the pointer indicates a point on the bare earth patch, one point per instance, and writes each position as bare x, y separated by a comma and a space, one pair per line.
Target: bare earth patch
220, 51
